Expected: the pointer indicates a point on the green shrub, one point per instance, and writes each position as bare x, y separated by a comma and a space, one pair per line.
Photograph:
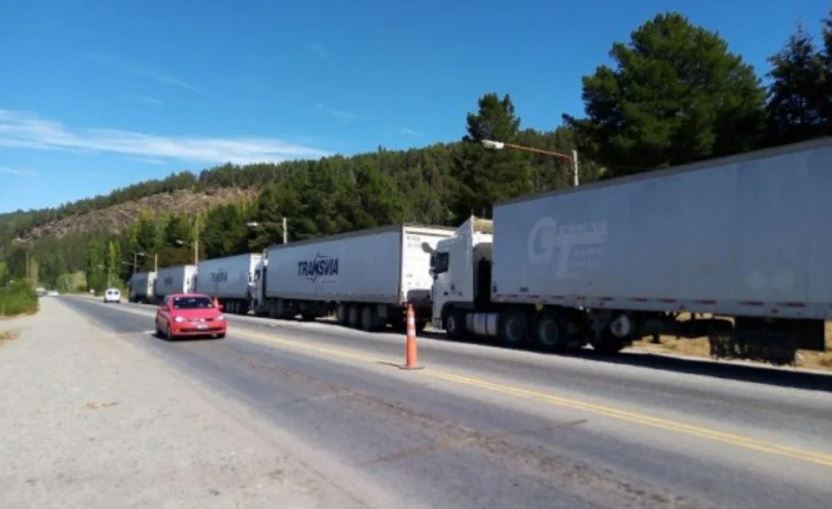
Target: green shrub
18, 298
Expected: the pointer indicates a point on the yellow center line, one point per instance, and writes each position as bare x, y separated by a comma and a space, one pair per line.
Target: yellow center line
711, 434
552, 399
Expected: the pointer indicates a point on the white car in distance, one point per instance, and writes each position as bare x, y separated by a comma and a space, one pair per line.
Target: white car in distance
112, 295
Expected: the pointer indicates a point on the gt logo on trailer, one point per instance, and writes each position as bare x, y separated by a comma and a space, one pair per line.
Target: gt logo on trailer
564, 243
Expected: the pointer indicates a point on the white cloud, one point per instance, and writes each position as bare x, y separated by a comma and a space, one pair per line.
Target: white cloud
150, 73
145, 99
410, 132
26, 130
318, 49
342, 115
150, 160
18, 172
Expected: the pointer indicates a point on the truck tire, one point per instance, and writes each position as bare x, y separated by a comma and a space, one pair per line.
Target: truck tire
550, 332
514, 328
354, 316
454, 323
398, 321
342, 313
607, 343
368, 318
283, 310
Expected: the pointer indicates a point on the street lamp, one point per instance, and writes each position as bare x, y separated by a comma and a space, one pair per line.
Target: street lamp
573, 159
194, 244
27, 246
283, 227
137, 254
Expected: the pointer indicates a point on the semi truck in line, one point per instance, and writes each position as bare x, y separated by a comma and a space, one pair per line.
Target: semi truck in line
230, 279
141, 287
366, 278
737, 248
176, 279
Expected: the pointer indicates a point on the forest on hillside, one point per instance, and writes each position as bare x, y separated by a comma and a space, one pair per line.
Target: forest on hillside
674, 94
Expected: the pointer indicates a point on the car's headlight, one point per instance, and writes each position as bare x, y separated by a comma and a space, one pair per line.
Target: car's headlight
178, 319
221, 318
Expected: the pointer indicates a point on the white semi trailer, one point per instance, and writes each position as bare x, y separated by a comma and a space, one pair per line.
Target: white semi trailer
176, 279
367, 277
230, 279
141, 287
743, 243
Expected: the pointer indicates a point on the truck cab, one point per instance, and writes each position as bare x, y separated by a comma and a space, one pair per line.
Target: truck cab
258, 286
461, 269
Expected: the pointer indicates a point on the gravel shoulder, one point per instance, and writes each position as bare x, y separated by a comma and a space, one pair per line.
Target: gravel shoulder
90, 421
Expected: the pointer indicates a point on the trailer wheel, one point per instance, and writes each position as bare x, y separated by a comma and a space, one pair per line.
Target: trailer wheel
342, 313
368, 318
455, 323
550, 332
354, 316
284, 310
607, 343
514, 328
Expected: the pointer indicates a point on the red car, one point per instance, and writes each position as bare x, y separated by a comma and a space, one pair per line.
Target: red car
191, 314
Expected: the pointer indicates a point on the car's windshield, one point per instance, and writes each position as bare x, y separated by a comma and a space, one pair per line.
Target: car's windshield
192, 303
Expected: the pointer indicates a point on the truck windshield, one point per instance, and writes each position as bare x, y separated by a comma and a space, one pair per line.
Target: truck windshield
192, 303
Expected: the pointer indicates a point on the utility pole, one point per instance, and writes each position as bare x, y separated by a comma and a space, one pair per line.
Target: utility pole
575, 177
196, 240
285, 233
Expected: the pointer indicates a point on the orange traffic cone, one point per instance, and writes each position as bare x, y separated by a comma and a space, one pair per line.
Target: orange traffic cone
411, 351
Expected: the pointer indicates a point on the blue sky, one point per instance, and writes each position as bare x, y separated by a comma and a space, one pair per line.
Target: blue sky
98, 94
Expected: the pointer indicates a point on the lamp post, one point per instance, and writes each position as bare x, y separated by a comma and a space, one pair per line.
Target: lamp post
194, 244
137, 254
573, 159
27, 246
283, 227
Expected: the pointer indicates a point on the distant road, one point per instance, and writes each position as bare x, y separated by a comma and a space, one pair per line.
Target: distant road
489, 427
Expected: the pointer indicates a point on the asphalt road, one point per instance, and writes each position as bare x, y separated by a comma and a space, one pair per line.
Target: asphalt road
482, 426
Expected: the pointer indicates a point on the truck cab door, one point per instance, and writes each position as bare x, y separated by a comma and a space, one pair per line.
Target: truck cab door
440, 290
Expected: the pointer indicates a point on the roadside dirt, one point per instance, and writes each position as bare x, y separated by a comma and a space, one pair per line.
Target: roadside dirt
700, 347
90, 420
8, 335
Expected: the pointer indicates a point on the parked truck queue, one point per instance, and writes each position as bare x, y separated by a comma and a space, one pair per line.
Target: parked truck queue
735, 248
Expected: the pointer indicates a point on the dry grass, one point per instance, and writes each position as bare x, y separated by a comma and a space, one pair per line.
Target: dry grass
818, 360
699, 347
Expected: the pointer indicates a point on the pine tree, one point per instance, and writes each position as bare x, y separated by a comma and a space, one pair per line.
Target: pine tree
487, 176
676, 95
797, 97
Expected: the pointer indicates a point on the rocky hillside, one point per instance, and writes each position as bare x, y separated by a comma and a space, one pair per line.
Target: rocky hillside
116, 218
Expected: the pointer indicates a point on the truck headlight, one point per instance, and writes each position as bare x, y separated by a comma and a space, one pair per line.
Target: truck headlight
221, 318
178, 319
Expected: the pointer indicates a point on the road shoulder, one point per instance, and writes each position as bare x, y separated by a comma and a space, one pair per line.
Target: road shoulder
91, 421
